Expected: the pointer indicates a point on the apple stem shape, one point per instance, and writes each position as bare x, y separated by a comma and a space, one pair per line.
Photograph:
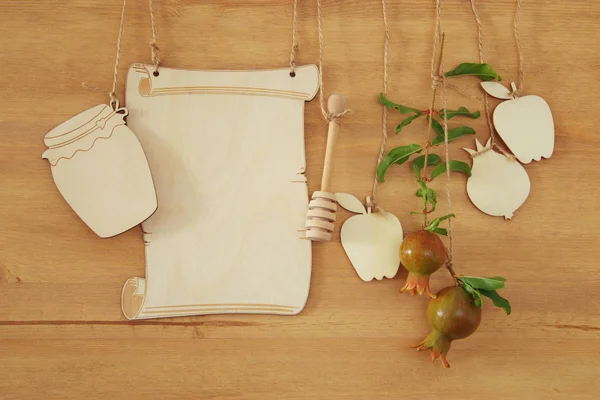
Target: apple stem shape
498, 184
514, 93
371, 240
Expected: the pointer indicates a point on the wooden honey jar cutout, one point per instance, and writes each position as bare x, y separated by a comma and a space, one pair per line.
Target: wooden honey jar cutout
226, 149
100, 169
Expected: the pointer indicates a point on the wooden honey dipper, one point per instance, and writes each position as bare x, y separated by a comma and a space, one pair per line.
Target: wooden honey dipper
320, 217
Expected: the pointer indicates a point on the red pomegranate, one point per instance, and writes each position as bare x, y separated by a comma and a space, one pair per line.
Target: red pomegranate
452, 315
422, 253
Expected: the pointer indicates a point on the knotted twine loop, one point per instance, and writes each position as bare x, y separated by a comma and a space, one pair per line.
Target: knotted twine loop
485, 150
435, 80
326, 115
154, 49
155, 53
294, 42
114, 102
436, 42
519, 49
372, 200
448, 195
337, 118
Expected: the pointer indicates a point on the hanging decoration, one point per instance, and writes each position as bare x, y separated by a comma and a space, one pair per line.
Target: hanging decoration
499, 184
320, 217
524, 123
100, 167
455, 311
371, 239
226, 237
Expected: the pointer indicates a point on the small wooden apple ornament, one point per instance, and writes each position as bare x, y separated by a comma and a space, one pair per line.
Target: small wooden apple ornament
498, 184
524, 123
371, 239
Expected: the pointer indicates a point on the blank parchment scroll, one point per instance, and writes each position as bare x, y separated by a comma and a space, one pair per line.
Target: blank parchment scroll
226, 151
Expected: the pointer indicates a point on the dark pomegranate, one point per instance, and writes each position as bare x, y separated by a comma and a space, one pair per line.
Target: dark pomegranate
452, 315
422, 253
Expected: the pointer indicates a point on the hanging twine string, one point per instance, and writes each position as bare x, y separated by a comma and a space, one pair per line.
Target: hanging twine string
448, 194
488, 113
486, 98
114, 102
155, 51
436, 77
328, 117
294, 42
436, 61
519, 49
384, 135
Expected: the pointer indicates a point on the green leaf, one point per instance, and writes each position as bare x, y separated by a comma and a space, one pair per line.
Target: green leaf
433, 225
474, 293
437, 127
441, 231
399, 107
498, 300
454, 134
407, 121
485, 72
428, 195
477, 282
455, 165
419, 162
461, 111
399, 155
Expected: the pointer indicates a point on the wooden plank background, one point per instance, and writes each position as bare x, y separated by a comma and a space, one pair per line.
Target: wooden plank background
62, 334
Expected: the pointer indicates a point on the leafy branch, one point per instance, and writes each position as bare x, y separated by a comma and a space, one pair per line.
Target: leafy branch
402, 154
433, 254
478, 287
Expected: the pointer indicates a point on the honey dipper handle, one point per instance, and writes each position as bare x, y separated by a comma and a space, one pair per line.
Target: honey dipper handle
336, 104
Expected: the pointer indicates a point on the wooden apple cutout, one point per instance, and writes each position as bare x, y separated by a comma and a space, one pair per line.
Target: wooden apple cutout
524, 123
371, 240
498, 185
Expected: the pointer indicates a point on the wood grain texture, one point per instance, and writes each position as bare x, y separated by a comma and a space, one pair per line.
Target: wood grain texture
61, 332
